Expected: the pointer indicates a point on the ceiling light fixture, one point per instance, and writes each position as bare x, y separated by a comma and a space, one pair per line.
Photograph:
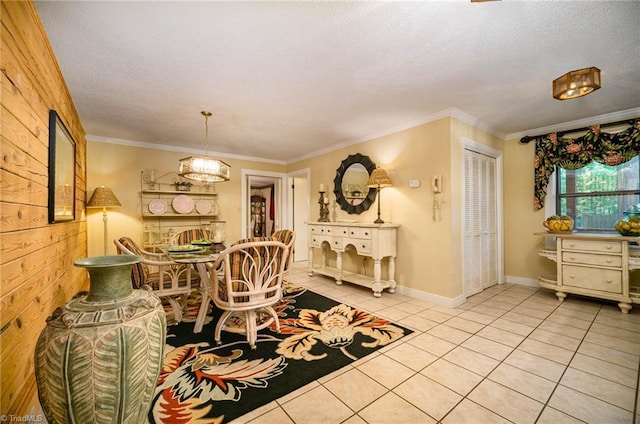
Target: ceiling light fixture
202, 167
576, 83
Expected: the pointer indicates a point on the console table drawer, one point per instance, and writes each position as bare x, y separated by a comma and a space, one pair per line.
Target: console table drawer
316, 241
592, 278
362, 246
592, 246
319, 229
337, 242
591, 259
360, 233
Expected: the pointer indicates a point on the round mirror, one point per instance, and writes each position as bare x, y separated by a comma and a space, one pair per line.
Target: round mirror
350, 184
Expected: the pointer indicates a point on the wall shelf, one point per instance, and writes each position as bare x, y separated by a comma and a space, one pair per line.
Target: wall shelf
197, 208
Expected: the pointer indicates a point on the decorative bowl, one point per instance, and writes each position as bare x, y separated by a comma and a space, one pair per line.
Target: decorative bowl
556, 224
629, 226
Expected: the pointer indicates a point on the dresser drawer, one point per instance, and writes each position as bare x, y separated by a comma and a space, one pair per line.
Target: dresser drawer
316, 241
362, 246
360, 233
592, 245
606, 280
336, 243
592, 259
319, 229
340, 231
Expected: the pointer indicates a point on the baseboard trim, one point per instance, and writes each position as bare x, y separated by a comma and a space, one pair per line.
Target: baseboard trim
530, 282
450, 302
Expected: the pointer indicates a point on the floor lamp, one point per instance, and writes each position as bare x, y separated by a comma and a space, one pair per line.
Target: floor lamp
104, 198
379, 179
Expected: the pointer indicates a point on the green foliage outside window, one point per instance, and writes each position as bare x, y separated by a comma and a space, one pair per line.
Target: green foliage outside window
597, 195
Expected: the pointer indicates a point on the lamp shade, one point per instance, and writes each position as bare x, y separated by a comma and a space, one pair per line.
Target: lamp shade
103, 197
576, 83
379, 179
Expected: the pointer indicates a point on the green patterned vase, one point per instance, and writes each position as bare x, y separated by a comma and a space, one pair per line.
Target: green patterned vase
99, 356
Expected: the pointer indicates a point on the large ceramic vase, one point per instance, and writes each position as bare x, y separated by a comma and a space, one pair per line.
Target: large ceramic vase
99, 357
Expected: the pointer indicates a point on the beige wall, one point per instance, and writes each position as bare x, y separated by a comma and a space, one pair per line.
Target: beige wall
429, 251
521, 221
119, 167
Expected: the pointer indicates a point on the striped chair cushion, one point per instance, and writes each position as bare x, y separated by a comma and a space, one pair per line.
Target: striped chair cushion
140, 271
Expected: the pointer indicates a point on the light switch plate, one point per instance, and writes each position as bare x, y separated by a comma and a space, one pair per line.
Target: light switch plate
414, 183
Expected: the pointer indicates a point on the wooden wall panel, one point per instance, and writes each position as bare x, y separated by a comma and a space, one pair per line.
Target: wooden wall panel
36, 258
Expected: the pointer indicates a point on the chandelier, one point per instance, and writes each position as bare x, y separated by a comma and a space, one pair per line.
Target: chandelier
203, 167
576, 83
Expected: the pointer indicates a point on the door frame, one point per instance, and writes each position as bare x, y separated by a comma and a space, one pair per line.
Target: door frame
496, 154
300, 249
280, 197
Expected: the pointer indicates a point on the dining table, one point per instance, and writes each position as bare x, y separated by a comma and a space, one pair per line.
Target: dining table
197, 255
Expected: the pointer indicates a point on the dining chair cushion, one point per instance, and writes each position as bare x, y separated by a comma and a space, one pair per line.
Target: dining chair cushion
140, 271
287, 237
186, 236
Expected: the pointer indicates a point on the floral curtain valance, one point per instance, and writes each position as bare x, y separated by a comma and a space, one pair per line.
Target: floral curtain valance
574, 153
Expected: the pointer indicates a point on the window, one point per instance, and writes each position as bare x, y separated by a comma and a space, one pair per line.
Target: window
597, 195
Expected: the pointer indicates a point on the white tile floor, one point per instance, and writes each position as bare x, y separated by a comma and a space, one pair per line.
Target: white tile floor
511, 354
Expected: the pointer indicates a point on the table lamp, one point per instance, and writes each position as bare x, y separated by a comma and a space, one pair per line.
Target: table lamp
104, 198
379, 179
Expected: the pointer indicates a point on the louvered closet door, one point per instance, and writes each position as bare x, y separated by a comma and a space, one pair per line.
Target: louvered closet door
480, 222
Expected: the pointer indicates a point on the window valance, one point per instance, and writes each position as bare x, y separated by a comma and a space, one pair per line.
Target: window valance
573, 153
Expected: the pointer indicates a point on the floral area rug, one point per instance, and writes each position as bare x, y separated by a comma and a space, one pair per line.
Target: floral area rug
204, 383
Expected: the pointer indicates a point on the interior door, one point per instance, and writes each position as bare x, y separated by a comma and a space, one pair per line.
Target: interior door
299, 214
480, 222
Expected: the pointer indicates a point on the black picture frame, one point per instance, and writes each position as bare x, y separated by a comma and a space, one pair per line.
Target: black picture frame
62, 171
345, 205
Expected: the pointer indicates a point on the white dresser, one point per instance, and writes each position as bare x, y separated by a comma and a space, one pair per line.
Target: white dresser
375, 241
595, 265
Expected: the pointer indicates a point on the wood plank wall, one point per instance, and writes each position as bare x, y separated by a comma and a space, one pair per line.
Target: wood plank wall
36, 258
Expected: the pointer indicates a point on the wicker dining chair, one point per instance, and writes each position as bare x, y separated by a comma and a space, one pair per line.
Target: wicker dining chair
288, 237
169, 280
246, 281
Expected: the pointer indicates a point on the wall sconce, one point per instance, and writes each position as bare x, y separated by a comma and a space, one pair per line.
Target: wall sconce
576, 83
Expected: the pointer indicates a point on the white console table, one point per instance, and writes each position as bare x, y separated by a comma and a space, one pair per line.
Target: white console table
376, 241
596, 265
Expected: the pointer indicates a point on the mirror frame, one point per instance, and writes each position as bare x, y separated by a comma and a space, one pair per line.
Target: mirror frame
337, 184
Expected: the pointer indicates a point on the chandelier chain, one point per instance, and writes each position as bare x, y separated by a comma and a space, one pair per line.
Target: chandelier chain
206, 131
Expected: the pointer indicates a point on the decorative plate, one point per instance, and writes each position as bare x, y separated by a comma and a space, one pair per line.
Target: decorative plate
157, 207
182, 203
203, 207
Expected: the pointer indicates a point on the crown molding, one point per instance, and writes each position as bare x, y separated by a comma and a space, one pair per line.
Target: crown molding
567, 126
169, 148
446, 113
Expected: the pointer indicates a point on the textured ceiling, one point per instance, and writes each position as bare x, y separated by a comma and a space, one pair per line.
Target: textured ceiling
286, 80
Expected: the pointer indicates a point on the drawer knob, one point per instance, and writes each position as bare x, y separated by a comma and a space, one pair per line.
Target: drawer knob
363, 246
608, 247
366, 234
573, 276
571, 244
609, 281
608, 261
573, 258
